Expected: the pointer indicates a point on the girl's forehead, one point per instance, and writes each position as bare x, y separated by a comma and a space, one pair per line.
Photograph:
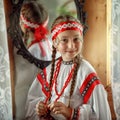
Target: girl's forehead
69, 33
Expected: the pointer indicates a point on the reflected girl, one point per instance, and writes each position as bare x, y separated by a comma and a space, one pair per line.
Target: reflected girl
33, 22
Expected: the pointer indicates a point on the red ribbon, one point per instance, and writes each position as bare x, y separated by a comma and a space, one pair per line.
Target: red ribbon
40, 33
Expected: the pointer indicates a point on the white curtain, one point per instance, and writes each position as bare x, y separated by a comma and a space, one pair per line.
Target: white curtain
5, 84
116, 55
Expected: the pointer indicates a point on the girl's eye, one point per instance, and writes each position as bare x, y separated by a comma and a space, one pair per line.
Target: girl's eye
64, 40
76, 39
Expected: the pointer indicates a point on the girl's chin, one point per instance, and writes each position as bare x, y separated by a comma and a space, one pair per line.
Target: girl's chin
68, 59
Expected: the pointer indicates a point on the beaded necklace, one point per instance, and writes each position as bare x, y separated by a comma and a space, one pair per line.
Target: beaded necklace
54, 80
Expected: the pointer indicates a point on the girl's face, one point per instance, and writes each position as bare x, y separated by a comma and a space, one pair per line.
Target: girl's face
69, 44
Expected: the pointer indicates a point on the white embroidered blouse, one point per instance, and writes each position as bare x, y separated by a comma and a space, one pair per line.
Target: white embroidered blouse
89, 99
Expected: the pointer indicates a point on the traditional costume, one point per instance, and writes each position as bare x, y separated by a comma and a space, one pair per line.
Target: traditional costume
89, 99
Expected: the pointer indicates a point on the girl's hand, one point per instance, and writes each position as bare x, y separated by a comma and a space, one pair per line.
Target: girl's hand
60, 108
41, 108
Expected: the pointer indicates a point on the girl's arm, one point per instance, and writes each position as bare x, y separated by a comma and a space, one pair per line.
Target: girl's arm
97, 107
34, 96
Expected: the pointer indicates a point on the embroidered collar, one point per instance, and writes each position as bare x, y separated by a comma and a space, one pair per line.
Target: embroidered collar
67, 62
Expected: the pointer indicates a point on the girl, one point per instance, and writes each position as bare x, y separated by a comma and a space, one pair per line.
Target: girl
33, 22
69, 88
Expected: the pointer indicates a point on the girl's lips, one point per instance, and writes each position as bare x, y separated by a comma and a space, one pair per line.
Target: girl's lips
71, 51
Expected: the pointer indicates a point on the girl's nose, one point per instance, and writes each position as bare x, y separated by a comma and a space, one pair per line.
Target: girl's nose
70, 44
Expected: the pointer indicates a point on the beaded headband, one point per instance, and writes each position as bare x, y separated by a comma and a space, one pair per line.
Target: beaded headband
30, 24
40, 29
69, 25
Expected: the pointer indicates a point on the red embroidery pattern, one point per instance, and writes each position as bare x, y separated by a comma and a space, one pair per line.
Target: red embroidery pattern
42, 79
88, 85
69, 25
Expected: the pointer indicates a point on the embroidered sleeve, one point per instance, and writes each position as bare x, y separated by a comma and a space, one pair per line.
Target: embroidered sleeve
88, 86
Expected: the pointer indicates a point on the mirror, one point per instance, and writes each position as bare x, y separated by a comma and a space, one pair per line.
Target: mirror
15, 31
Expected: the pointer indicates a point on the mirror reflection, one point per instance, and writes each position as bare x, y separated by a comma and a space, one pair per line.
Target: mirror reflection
33, 22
